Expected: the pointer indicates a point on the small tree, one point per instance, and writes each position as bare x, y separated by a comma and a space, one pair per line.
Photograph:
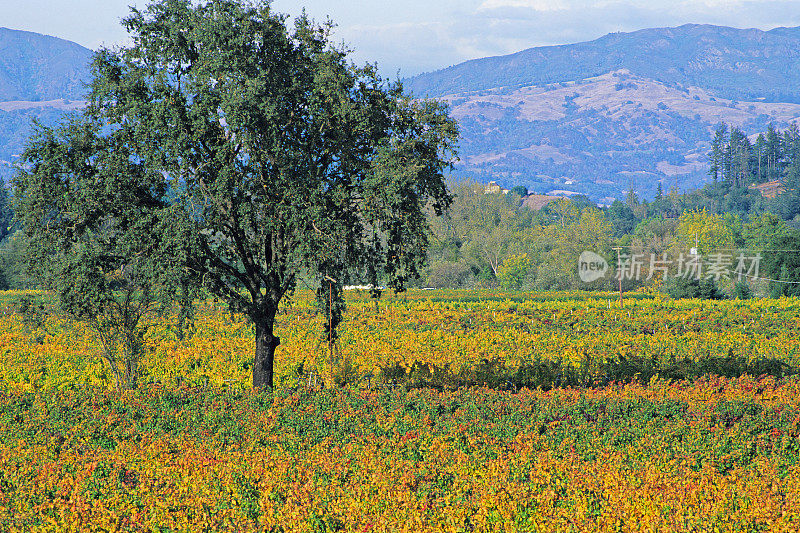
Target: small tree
685, 287
520, 190
514, 271
285, 158
711, 232
98, 233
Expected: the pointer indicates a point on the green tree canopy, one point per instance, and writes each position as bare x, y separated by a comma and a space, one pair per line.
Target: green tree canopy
708, 231
622, 218
762, 230
98, 231
782, 264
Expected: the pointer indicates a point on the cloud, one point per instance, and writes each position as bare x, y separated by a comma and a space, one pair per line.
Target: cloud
536, 5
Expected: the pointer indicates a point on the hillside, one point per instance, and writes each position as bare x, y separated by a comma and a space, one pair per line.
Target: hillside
40, 77
38, 67
626, 109
730, 62
600, 135
594, 118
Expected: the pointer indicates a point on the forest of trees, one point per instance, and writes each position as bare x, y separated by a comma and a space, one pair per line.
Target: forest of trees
488, 240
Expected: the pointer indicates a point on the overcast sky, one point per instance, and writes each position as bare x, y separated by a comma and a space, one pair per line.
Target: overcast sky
413, 36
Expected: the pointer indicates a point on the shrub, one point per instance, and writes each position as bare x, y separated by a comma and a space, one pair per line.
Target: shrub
742, 291
704, 289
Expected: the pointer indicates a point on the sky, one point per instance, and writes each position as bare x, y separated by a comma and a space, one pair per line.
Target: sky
407, 37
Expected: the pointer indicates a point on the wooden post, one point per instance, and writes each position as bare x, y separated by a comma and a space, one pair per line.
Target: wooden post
330, 281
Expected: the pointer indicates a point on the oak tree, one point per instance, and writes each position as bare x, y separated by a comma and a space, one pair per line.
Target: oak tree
284, 158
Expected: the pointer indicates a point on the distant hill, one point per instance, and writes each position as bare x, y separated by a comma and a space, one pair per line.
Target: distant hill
732, 63
40, 77
601, 135
626, 109
38, 67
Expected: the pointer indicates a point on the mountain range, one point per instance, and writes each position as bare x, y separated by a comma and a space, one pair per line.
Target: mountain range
37, 67
628, 110
41, 77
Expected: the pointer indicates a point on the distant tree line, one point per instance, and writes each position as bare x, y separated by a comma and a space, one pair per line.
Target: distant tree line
735, 159
492, 240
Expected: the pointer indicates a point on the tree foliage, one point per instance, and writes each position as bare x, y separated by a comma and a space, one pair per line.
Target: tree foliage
706, 231
98, 232
782, 264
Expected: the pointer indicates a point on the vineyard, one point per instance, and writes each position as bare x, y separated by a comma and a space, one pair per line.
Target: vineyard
433, 411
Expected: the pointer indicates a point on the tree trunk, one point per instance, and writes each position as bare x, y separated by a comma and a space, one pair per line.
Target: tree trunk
131, 372
264, 358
